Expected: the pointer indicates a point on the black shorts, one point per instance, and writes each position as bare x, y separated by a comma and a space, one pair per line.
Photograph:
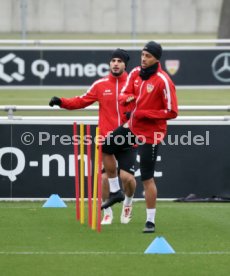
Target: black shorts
126, 160
118, 140
147, 152
148, 156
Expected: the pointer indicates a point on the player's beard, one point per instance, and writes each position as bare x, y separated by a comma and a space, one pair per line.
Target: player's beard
117, 74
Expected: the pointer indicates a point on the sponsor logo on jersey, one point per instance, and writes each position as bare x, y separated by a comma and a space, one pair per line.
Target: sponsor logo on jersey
107, 92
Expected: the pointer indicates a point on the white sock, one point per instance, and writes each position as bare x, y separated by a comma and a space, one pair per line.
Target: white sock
150, 213
128, 200
114, 185
108, 211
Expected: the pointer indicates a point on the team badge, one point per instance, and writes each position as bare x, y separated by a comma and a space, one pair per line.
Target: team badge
150, 87
172, 66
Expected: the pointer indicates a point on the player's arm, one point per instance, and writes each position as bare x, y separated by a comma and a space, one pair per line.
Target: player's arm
156, 114
77, 102
127, 96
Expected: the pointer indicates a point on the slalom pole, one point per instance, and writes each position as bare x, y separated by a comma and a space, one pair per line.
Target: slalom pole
99, 192
95, 184
89, 169
76, 171
82, 174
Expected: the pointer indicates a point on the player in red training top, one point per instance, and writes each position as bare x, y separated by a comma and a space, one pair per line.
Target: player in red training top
106, 91
154, 97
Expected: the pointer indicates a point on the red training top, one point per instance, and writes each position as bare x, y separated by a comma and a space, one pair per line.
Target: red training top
155, 102
106, 91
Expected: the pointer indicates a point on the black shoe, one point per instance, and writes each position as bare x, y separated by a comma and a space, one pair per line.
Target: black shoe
113, 198
149, 227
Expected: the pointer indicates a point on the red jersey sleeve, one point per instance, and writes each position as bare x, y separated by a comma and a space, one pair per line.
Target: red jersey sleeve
78, 102
127, 96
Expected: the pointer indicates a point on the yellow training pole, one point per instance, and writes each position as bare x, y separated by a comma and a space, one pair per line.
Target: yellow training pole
82, 175
95, 183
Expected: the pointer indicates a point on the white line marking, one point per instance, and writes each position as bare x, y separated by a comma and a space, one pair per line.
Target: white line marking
205, 253
136, 206
104, 253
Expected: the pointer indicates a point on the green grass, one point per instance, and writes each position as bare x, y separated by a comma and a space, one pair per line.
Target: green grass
49, 241
111, 36
42, 97
108, 36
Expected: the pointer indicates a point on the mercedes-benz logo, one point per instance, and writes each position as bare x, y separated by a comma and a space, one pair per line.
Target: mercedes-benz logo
221, 67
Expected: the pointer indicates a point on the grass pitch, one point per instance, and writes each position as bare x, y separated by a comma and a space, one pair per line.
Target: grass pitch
74, 35
49, 241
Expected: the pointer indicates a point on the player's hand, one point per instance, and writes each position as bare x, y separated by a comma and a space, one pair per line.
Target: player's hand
130, 99
55, 101
127, 115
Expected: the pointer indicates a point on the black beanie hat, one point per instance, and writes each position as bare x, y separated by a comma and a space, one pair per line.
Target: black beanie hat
122, 54
154, 49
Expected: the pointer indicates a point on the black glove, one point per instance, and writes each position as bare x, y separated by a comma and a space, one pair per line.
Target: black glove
127, 115
55, 101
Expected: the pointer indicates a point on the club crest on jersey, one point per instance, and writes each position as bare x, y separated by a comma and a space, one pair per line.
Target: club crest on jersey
172, 66
150, 87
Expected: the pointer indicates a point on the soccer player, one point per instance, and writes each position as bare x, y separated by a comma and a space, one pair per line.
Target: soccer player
153, 93
111, 115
